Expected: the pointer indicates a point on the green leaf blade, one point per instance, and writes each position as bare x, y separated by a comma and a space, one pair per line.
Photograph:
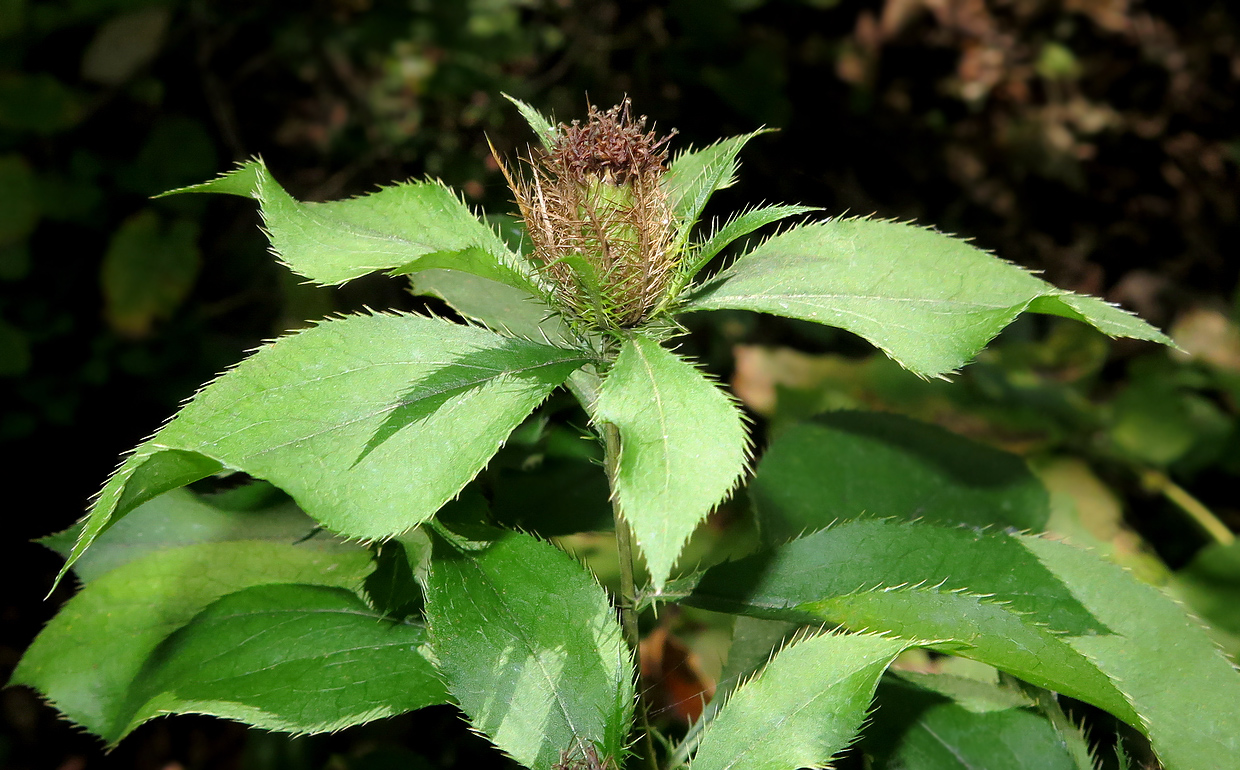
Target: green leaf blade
1186, 692
1047, 612
804, 707
180, 518
683, 447
538, 676
843, 465
543, 127
86, 658
917, 728
929, 301
351, 418
693, 176
399, 228
269, 655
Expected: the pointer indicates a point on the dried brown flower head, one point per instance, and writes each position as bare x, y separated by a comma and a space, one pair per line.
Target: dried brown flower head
599, 220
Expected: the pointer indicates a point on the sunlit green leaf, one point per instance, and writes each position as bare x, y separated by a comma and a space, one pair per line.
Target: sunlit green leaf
270, 656
682, 447
88, 655
530, 647
843, 465
929, 301
804, 707
351, 418
737, 227
544, 128
694, 175
409, 227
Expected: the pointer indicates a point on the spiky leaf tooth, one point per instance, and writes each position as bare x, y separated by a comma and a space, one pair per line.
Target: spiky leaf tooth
929, 301
351, 418
1047, 612
803, 708
88, 657
404, 228
683, 447
841, 464
530, 647
269, 656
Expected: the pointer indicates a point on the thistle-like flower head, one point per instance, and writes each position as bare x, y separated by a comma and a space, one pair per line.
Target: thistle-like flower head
599, 220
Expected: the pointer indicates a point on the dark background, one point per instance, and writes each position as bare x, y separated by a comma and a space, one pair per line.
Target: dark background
1096, 140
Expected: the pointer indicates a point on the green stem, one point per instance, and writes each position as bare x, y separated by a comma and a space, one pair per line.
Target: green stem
628, 592
1157, 481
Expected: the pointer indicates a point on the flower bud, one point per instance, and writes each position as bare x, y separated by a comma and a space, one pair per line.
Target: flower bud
599, 220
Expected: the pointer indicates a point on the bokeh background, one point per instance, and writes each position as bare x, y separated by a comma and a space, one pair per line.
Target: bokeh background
1095, 140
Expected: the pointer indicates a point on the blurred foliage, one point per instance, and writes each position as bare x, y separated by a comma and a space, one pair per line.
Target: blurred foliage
1092, 139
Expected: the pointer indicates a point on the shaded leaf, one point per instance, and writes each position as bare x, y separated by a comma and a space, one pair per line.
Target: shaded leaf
804, 707
919, 729
1065, 621
38, 103
19, 206
929, 301
404, 228
295, 658
350, 417
86, 658
504, 309
179, 518
682, 447
530, 647
148, 271
842, 465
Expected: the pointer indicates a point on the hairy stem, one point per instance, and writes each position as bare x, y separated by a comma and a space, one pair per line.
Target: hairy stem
626, 599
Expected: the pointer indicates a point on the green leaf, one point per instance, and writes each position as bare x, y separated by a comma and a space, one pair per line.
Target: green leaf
530, 647
179, 518
682, 447
693, 176
842, 465
919, 729
351, 418
544, 128
38, 103
294, 658
805, 706
503, 309
393, 588
148, 271
737, 227
984, 591
1063, 619
404, 228
929, 301
19, 207
88, 655
1187, 694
